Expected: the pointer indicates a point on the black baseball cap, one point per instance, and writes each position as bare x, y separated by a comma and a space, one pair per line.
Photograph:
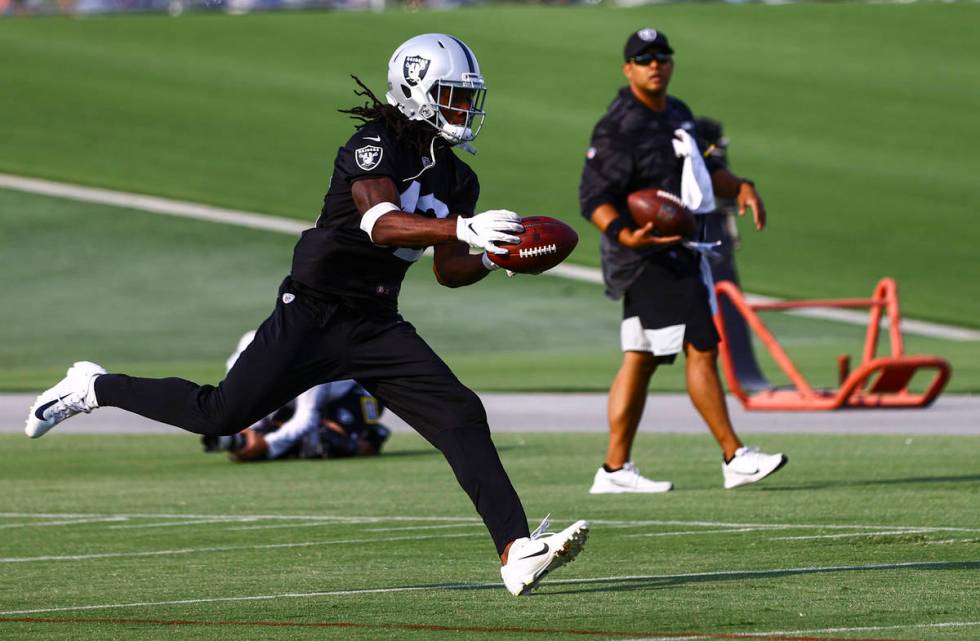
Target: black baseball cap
646, 39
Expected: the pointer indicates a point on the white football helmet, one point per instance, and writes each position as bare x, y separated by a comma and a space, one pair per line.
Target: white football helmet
433, 76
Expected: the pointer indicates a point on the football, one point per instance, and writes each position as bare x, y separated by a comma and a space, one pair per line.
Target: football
544, 243
665, 210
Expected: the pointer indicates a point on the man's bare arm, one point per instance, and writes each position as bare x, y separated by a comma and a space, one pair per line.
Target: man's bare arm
605, 215
728, 185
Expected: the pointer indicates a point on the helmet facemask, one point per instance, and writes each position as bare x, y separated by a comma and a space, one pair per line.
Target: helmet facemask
457, 109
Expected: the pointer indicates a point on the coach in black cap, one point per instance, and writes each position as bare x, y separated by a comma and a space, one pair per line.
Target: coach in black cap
648, 140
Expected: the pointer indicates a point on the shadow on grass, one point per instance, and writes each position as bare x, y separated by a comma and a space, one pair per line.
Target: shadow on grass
622, 584
965, 478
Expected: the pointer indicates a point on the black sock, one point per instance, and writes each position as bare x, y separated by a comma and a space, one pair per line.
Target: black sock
611, 470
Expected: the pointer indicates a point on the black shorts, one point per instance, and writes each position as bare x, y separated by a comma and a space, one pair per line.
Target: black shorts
668, 305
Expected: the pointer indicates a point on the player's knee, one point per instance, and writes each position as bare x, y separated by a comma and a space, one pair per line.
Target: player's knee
693, 353
469, 408
641, 362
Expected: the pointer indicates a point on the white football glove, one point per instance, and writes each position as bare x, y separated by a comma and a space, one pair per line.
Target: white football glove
492, 266
483, 230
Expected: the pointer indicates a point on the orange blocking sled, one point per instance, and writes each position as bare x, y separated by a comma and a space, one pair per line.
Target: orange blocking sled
876, 382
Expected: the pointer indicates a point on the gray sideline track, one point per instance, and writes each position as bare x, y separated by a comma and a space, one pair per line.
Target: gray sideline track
585, 412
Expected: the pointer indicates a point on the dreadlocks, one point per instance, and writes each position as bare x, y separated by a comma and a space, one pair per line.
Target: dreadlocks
414, 133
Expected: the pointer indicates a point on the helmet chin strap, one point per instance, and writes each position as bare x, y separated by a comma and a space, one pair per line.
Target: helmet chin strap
432, 157
464, 145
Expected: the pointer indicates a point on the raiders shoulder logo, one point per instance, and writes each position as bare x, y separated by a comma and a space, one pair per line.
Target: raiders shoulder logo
368, 157
415, 68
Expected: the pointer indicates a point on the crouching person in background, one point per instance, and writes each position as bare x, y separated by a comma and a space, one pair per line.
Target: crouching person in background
332, 420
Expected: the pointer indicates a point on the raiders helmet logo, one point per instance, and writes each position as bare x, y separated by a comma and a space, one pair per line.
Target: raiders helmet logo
647, 35
415, 68
368, 157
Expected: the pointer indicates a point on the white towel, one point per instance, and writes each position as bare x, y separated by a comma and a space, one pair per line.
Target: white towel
696, 190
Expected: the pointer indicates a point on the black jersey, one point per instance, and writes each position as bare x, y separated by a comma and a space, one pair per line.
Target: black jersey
336, 256
631, 149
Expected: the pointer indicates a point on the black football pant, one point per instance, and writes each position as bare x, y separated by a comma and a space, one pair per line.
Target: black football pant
315, 339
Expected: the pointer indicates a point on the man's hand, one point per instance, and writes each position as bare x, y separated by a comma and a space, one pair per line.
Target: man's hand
483, 230
643, 237
749, 197
255, 448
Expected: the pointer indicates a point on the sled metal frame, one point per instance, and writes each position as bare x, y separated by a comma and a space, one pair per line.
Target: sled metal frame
877, 382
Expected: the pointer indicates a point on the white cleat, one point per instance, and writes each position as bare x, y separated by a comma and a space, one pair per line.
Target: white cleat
750, 465
75, 393
627, 479
530, 559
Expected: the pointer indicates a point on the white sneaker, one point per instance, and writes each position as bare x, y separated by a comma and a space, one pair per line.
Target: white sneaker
627, 479
75, 393
750, 465
530, 559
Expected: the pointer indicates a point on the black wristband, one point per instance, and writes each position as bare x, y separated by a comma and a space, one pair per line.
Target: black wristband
613, 229
745, 181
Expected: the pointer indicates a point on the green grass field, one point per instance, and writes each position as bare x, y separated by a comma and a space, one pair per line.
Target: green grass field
137, 292
858, 538
852, 118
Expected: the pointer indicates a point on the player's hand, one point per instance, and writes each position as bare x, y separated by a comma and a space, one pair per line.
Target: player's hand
484, 230
643, 237
749, 197
255, 448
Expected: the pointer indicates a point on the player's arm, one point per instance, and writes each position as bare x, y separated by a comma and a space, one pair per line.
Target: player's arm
305, 418
376, 200
728, 185
607, 219
455, 266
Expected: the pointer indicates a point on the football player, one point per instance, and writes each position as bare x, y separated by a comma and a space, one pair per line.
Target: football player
397, 188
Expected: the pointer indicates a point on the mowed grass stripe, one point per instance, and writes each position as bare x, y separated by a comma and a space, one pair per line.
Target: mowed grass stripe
160, 296
627, 579
229, 548
462, 520
253, 220
650, 636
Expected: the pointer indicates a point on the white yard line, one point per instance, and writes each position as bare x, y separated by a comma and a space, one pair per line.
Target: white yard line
279, 224
281, 526
404, 518
225, 548
496, 585
807, 631
110, 519
873, 628
252, 517
814, 526
698, 532
951, 541
849, 535
182, 523
153, 204
421, 527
